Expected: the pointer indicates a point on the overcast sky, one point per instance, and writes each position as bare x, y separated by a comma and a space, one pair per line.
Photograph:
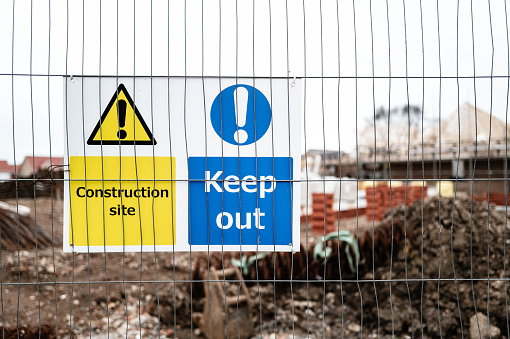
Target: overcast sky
337, 40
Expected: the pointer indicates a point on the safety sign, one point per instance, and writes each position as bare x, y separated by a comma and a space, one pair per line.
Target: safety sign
121, 123
182, 164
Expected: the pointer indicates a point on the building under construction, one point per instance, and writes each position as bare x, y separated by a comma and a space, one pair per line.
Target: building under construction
476, 148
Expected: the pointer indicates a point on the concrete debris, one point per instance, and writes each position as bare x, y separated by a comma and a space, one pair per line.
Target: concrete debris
479, 327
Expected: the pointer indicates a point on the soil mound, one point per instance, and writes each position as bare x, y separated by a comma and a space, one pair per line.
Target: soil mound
440, 280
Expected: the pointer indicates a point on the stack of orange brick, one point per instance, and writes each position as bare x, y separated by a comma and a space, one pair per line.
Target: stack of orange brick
381, 199
497, 198
494, 198
323, 215
376, 202
415, 193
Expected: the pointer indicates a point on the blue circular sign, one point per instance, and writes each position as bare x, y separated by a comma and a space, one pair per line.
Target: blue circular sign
240, 115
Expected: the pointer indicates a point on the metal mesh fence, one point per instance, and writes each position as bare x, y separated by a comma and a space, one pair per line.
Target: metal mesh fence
367, 146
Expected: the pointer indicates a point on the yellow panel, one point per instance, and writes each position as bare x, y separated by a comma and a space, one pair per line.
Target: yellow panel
112, 202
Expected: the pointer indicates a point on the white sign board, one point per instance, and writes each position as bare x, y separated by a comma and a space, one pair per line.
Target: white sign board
175, 164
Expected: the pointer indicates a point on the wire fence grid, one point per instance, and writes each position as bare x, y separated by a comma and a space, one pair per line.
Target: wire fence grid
394, 116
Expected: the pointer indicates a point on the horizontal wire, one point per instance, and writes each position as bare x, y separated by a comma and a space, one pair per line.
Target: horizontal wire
403, 280
264, 181
258, 77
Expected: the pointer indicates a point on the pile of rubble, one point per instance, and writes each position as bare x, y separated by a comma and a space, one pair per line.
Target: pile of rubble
439, 284
423, 271
19, 231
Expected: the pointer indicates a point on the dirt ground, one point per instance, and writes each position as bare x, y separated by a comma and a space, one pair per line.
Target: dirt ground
50, 287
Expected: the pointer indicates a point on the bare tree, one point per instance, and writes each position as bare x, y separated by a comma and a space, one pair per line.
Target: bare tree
403, 114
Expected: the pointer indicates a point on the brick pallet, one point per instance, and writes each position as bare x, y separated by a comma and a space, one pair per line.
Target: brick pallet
323, 217
382, 198
497, 198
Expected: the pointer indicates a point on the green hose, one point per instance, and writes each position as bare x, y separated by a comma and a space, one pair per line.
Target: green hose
320, 252
246, 262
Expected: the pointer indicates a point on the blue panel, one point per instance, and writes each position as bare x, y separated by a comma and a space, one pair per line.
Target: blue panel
221, 204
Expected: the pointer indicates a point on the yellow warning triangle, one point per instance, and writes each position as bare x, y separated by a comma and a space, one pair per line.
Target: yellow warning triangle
121, 123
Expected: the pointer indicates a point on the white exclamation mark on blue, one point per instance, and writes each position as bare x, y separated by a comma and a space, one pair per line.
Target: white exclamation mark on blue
241, 108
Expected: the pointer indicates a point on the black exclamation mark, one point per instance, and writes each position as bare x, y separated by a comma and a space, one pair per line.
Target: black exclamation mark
122, 119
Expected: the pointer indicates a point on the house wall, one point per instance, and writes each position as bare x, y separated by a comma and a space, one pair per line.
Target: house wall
25, 170
4, 176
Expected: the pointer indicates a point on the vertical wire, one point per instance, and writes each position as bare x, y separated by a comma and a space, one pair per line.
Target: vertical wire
256, 170
357, 162
51, 174
389, 165
474, 170
85, 162
15, 167
439, 208
407, 170
136, 164
222, 172
506, 168
154, 185
239, 169
206, 192
456, 181
273, 162
373, 182
120, 161
33, 166
323, 169
187, 163
340, 175
291, 183
107, 297
1, 259
68, 158
422, 165
172, 187
306, 175
238, 148
489, 170
272, 156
